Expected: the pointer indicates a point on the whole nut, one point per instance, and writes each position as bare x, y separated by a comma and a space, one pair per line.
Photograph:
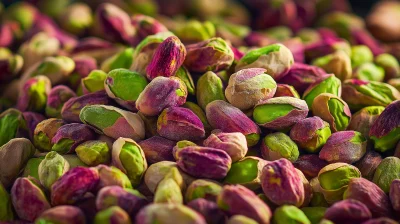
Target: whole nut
51, 168
387, 171
62, 214
278, 145
203, 188
234, 144
348, 211
289, 214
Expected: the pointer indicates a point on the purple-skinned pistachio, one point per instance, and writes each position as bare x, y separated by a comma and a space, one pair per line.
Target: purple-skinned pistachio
114, 24
204, 162
95, 48
363, 37
344, 146
279, 145
296, 46
167, 58
32, 119
248, 87
276, 59
195, 108
56, 99
310, 165
382, 220
238, 200
73, 185
203, 188
76, 18
209, 88
257, 39
235, 144
348, 211
222, 115
114, 214
150, 124
326, 46
358, 93
10, 66
282, 184
362, 120
33, 94
178, 123
286, 90
210, 55
318, 131
125, 86
301, 76
28, 198
146, 25
7, 35
112, 176
272, 13
208, 209
72, 108
113, 121
44, 133
162, 212
19, 150
128, 199
51, 168
385, 130
69, 136
308, 189
180, 145
161, 93
394, 194
280, 113
368, 164
63, 214
369, 194
157, 149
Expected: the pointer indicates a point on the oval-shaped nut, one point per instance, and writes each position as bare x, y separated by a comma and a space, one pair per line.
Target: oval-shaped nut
222, 115
301, 76
129, 157
369, 72
6, 207
390, 65
73, 185
241, 219
360, 54
125, 86
278, 145
28, 198
394, 194
13, 125
387, 171
324, 84
128, 199
289, 214
186, 78
93, 82
52, 167
69, 136
310, 133
310, 165
63, 214
208, 209
369, 194
280, 113
113, 121
248, 87
113, 214
275, 58
238, 200
314, 214
234, 144
202, 188
44, 133
147, 25
34, 93
169, 189
56, 100
348, 211
282, 184
209, 87
157, 149
178, 123
338, 63
368, 164
160, 93
385, 131
93, 153
345, 147
362, 120
112, 176
333, 110
122, 59
161, 213
246, 172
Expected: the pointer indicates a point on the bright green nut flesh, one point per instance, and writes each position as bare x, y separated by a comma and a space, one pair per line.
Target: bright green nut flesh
209, 88
360, 54
289, 214
246, 172
32, 167
111, 215
202, 188
253, 55
63, 146
186, 78
269, 112
387, 171
169, 189
10, 122
123, 59
252, 139
322, 136
386, 142
52, 168
329, 85
95, 116
278, 145
337, 178
125, 84
93, 153
196, 31
314, 214
370, 72
6, 212
94, 81
337, 108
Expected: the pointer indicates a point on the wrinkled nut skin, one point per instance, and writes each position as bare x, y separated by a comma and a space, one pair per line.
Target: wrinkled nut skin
44, 133
162, 212
112, 214
362, 120
203, 188
345, 147
63, 214
297, 111
128, 199
167, 58
28, 198
94, 152
370, 195
209, 210
310, 165
160, 93
222, 115
18, 150
394, 195
278, 145
210, 55
348, 211
204, 162
178, 123
56, 99
34, 93
169, 189
282, 184
157, 149
32, 119
51, 168
113, 122
112, 176
238, 200
333, 110
73, 185
385, 130
286, 90
147, 25
368, 164
209, 88
235, 144
301, 76
338, 63
310, 133
248, 87
308, 189
69, 136
324, 84
72, 108
387, 171
276, 59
